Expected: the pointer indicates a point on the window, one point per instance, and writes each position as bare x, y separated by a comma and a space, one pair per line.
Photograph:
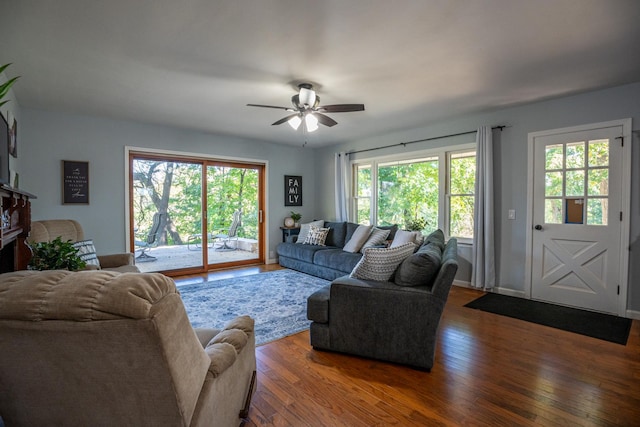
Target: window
462, 179
437, 187
577, 177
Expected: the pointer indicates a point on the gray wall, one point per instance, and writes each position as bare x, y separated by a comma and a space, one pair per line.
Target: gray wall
510, 163
49, 137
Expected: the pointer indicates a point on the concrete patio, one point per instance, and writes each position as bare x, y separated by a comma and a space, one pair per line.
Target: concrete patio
184, 256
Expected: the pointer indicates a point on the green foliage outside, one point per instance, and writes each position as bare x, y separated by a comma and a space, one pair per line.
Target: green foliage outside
175, 189
408, 194
462, 198
55, 255
577, 170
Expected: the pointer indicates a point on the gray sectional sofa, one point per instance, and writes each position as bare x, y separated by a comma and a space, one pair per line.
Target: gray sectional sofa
329, 261
382, 319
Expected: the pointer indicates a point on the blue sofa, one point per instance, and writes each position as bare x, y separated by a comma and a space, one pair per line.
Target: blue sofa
328, 262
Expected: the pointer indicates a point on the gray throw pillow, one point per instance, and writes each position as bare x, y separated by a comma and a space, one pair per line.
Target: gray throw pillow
421, 268
377, 237
358, 238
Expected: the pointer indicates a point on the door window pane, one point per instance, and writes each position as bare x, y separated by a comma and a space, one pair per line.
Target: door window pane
232, 213
597, 211
553, 211
599, 152
575, 183
553, 157
553, 184
167, 209
574, 209
599, 182
575, 155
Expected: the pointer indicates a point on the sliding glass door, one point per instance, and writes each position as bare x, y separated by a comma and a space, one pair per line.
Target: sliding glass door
195, 214
233, 212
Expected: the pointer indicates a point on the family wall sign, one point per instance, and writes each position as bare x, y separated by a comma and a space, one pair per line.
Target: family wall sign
292, 190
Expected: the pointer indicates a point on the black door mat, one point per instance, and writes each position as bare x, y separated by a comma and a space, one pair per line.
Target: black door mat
596, 325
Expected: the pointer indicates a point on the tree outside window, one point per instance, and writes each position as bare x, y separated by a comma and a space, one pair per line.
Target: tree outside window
412, 190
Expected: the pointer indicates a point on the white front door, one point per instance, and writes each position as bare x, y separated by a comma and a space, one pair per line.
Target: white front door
577, 217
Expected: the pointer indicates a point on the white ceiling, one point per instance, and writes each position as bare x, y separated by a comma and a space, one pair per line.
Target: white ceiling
196, 63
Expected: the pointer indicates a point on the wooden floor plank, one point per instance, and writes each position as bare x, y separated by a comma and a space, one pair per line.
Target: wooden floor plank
489, 370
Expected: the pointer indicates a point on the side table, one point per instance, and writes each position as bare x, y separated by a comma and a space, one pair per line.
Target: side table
289, 231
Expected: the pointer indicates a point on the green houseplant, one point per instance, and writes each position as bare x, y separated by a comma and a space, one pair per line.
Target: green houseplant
296, 218
4, 87
417, 224
55, 255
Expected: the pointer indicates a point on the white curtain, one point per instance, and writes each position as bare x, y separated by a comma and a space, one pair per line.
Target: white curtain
483, 272
342, 186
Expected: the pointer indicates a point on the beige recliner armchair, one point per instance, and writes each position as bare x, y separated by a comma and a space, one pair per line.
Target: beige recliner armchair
69, 229
100, 348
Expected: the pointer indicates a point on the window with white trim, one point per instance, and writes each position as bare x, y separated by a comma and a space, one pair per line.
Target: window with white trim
435, 188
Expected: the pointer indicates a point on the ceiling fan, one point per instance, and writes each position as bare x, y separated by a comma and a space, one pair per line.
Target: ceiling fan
307, 108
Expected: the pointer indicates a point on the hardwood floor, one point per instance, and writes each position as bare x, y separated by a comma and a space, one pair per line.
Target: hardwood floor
490, 370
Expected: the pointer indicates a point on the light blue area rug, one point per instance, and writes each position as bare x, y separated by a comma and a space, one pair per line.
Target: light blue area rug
276, 300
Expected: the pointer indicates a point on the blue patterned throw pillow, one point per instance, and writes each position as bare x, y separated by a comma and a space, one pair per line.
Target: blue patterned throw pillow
87, 252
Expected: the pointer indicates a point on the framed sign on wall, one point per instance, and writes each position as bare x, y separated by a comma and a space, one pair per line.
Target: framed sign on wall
75, 182
292, 190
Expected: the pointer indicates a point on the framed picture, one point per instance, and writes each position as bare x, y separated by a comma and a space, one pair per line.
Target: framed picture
292, 190
13, 137
75, 182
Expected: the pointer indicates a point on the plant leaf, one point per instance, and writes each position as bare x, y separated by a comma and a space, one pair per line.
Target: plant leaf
4, 87
2, 68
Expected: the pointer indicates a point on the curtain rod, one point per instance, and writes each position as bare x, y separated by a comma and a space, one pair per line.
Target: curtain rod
421, 140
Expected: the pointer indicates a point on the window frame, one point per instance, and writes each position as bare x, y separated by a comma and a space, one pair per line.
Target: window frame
443, 155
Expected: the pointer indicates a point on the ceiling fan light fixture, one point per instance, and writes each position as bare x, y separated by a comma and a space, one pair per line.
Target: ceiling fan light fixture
294, 122
311, 122
307, 96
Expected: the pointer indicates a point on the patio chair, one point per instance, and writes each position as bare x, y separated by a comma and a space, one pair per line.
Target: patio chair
144, 242
222, 240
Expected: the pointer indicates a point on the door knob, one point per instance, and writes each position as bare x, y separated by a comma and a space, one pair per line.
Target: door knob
538, 227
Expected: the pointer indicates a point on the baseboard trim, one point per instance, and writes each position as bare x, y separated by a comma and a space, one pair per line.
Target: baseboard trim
632, 314
509, 292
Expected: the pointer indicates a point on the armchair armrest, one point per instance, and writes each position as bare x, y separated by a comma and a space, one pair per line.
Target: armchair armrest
116, 260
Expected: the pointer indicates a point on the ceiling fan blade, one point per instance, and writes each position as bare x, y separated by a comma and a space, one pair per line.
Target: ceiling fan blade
325, 120
341, 108
271, 106
284, 119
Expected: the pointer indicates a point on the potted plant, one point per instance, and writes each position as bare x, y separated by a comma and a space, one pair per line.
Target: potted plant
417, 224
4, 87
55, 255
296, 218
